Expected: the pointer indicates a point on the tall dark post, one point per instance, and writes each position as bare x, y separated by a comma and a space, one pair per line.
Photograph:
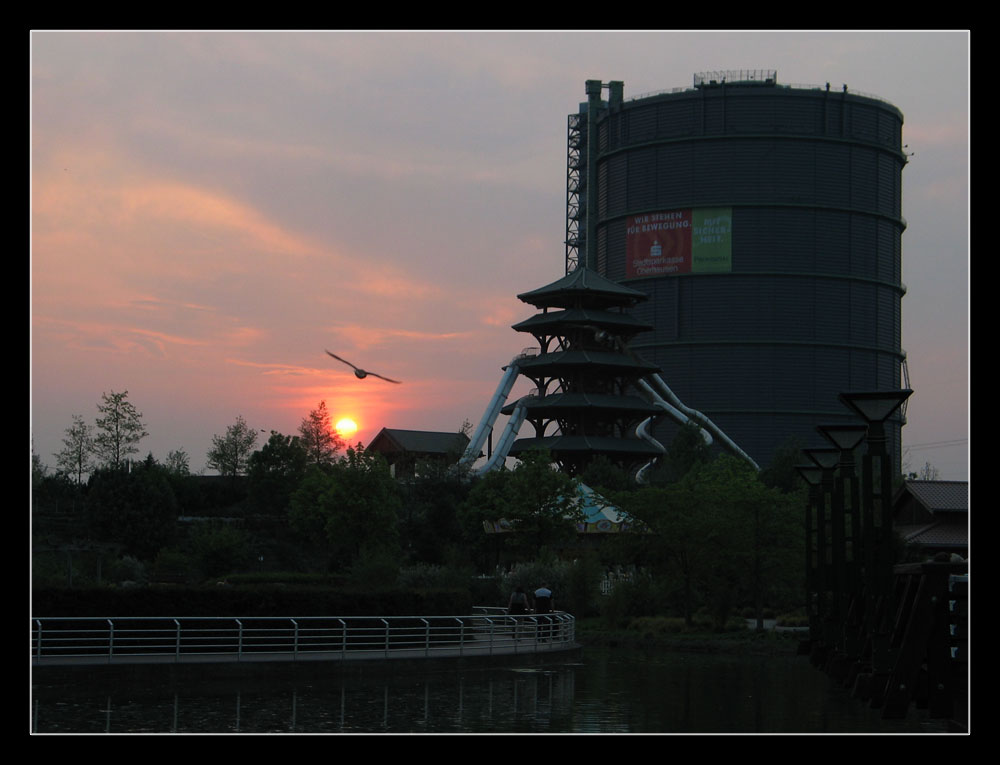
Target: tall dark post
845, 540
876, 477
829, 593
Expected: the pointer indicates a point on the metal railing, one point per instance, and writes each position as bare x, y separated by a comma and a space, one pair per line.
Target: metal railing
487, 631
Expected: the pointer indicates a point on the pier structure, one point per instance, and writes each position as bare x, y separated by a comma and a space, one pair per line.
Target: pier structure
895, 634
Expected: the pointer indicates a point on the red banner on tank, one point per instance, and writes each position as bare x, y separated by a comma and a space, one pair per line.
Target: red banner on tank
657, 244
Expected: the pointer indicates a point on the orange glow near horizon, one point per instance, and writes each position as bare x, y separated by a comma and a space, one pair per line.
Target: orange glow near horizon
346, 427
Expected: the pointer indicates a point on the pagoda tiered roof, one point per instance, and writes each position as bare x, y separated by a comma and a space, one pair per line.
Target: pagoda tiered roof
560, 362
557, 404
582, 288
611, 321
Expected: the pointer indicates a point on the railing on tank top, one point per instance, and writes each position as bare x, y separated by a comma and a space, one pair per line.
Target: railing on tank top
487, 631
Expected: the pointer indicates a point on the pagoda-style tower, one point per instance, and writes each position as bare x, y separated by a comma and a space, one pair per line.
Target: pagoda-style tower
584, 404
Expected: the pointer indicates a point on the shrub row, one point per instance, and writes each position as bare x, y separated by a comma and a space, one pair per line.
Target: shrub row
247, 600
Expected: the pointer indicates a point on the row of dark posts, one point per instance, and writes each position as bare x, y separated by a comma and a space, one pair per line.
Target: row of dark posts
871, 628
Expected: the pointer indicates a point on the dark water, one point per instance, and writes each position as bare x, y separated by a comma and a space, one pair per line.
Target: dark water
597, 691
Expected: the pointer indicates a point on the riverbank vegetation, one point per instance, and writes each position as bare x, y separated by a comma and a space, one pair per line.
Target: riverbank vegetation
706, 541
675, 634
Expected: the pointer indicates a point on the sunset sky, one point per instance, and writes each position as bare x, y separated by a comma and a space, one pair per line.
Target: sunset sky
210, 211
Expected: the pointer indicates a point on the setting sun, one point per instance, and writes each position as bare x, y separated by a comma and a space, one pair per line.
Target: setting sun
346, 427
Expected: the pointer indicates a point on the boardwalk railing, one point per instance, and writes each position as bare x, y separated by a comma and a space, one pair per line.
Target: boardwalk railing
487, 631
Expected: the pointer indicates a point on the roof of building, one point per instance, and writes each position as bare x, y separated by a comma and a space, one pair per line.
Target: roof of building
561, 360
936, 534
620, 323
561, 402
393, 440
938, 496
582, 284
942, 521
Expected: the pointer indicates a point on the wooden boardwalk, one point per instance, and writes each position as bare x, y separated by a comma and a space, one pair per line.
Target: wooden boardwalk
909, 647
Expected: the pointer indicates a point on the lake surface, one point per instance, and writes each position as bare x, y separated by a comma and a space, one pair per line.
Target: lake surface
600, 690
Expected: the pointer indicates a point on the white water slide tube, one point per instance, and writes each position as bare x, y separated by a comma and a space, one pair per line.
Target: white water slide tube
678, 412
654, 387
506, 438
492, 411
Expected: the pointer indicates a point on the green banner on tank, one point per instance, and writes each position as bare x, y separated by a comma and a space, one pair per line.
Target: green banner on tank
712, 240
696, 241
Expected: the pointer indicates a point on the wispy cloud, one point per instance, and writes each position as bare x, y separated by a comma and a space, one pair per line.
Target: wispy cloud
357, 336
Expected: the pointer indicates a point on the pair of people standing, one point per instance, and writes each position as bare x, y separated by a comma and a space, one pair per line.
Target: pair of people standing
543, 604
519, 604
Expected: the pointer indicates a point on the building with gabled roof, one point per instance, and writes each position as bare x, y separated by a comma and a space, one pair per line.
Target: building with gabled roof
402, 449
933, 515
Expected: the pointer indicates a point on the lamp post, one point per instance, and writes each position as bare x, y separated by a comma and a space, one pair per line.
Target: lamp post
875, 408
826, 460
845, 538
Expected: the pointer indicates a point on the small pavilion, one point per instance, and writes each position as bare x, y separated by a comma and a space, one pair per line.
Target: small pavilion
402, 449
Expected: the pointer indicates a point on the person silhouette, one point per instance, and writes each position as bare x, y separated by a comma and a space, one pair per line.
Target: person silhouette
544, 605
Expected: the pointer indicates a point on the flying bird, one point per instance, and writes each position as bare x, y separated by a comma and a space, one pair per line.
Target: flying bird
361, 374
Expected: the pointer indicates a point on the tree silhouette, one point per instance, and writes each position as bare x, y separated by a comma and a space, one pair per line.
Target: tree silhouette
137, 510
77, 455
178, 462
230, 453
318, 438
354, 505
275, 471
119, 430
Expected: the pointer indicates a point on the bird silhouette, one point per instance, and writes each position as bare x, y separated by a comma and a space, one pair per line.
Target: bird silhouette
361, 374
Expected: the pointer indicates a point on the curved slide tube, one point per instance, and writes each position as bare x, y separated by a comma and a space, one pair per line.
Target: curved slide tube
687, 414
490, 415
652, 385
677, 410
642, 430
506, 438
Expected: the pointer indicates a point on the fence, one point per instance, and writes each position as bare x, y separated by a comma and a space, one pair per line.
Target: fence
189, 639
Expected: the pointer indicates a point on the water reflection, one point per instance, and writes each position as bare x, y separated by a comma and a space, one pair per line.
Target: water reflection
607, 691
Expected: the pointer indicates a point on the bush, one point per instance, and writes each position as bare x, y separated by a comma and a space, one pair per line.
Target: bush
795, 619
488, 591
219, 548
533, 574
172, 565
245, 600
127, 569
374, 570
642, 595
629, 600
425, 576
583, 586
51, 569
655, 626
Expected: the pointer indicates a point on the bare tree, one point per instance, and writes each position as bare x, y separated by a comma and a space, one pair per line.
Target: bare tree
229, 453
928, 472
318, 437
119, 429
77, 455
178, 462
